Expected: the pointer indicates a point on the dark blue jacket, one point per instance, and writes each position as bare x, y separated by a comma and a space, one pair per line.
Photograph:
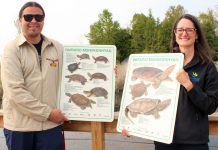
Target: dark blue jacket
194, 106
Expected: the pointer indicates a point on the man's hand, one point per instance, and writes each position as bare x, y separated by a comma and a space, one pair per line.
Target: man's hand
57, 116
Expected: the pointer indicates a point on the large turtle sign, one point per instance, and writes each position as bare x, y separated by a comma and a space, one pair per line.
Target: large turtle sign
150, 96
88, 82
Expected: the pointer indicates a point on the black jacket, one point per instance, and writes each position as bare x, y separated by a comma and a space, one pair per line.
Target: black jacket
194, 106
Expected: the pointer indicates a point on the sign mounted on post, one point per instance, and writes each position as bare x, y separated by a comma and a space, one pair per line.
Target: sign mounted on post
150, 96
88, 82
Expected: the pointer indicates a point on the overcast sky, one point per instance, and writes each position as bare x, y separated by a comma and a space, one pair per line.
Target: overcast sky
69, 20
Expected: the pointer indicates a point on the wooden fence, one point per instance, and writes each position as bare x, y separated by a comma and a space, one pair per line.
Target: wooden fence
99, 128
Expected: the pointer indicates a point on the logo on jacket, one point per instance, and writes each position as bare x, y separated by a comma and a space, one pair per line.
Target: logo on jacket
53, 62
194, 77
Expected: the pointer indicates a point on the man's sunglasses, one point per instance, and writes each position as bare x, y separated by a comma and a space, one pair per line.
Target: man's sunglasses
29, 17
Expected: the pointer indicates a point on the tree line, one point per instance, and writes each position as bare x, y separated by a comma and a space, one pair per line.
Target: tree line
147, 34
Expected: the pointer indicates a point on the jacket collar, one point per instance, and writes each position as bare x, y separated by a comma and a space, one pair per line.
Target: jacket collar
22, 40
195, 60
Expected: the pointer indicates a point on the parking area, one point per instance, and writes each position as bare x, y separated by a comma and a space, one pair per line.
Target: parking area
82, 141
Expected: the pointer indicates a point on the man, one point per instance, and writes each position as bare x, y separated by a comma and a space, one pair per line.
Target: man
31, 69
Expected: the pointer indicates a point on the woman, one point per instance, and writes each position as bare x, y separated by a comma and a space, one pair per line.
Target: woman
199, 87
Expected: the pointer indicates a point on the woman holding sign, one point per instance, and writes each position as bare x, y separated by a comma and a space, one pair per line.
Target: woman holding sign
199, 87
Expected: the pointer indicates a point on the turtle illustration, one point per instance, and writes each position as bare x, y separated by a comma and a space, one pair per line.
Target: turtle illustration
83, 56
97, 76
80, 100
100, 59
97, 92
139, 89
73, 67
77, 78
154, 75
146, 106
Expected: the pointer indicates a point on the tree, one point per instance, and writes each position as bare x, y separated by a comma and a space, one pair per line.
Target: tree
209, 24
150, 33
165, 28
137, 33
144, 33
123, 44
108, 32
103, 31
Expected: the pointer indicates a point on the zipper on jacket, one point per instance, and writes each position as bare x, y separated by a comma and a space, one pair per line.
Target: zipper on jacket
197, 117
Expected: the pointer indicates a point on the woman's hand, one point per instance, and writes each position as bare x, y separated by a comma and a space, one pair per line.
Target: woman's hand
125, 133
183, 78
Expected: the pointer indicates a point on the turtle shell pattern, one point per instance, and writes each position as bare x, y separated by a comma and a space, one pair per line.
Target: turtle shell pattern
97, 92
100, 59
80, 100
77, 78
97, 76
83, 56
73, 67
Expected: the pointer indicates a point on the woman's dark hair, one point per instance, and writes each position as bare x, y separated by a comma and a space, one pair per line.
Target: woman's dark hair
30, 4
201, 46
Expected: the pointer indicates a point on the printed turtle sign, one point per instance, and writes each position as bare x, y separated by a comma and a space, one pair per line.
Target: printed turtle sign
150, 96
88, 82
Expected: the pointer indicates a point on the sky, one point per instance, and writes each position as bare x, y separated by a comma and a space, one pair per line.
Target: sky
68, 21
